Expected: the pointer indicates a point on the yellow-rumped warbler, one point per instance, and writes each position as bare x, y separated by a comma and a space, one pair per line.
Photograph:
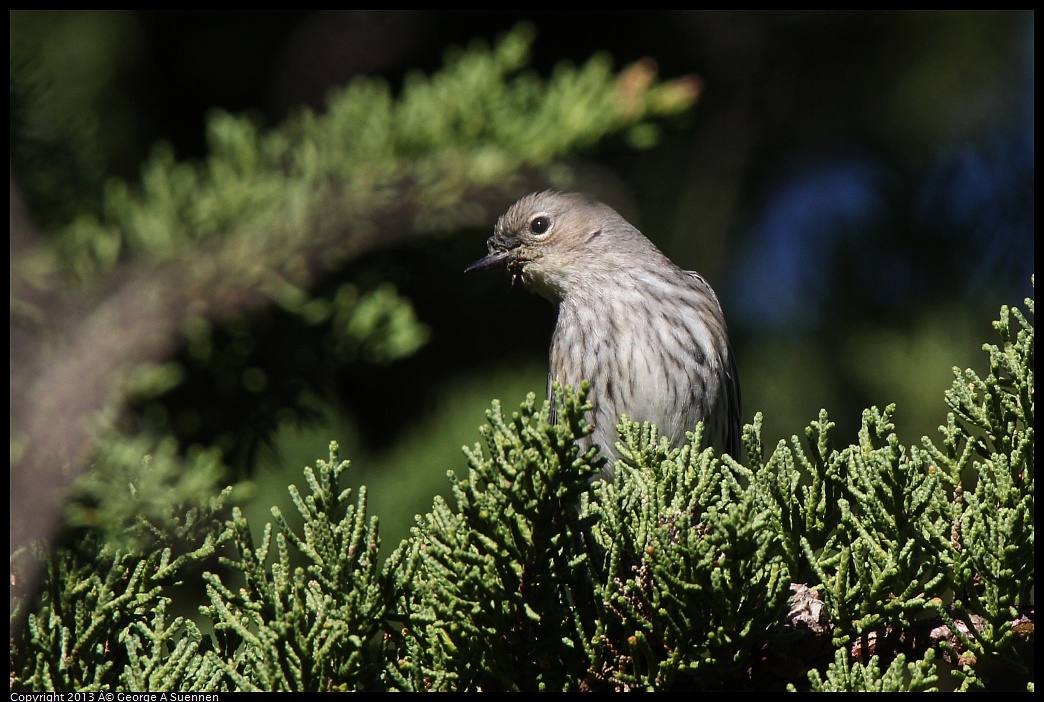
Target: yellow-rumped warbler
649, 336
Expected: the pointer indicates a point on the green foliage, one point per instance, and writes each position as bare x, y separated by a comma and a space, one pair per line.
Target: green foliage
103, 618
843, 676
674, 576
302, 627
474, 124
494, 591
690, 581
126, 499
863, 526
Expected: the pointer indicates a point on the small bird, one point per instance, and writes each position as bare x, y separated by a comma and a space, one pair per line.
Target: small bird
649, 336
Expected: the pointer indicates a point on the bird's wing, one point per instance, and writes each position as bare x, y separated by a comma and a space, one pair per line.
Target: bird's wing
733, 409
551, 398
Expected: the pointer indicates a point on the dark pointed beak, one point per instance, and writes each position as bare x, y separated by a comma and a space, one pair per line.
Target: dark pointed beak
494, 260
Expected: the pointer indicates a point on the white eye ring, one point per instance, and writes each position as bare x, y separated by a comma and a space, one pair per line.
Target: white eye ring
540, 225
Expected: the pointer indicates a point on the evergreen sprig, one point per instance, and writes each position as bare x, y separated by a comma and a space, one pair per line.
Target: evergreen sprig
308, 613
494, 590
477, 123
844, 676
102, 618
691, 580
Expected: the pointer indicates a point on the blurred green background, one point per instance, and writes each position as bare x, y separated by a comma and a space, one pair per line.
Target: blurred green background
857, 186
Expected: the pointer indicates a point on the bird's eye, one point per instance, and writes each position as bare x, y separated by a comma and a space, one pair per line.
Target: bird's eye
539, 225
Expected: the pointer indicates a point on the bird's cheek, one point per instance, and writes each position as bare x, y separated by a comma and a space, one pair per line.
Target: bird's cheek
541, 279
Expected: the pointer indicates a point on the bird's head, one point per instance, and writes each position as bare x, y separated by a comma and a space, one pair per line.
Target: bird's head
553, 241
